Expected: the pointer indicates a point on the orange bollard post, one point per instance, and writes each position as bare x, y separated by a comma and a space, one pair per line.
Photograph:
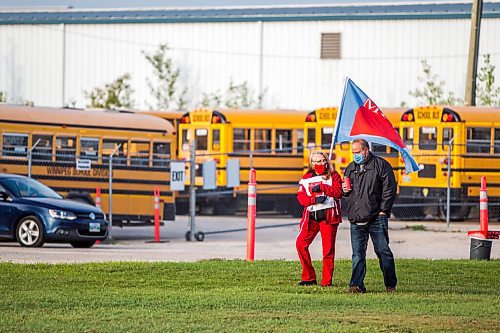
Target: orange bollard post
98, 204
483, 207
252, 211
483, 232
157, 214
98, 198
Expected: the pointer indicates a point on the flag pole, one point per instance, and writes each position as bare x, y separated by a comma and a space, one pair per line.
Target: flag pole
337, 120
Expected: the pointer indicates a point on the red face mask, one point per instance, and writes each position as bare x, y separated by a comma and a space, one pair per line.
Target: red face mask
320, 169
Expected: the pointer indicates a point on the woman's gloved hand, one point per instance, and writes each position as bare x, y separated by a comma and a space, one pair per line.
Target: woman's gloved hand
316, 188
320, 199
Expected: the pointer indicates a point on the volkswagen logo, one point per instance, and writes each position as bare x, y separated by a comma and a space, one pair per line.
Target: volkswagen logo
92, 216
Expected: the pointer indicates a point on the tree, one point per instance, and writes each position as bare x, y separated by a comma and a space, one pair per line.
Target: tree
165, 86
3, 96
485, 90
238, 96
211, 100
114, 95
433, 91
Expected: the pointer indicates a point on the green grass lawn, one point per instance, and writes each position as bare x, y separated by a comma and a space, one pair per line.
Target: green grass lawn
236, 296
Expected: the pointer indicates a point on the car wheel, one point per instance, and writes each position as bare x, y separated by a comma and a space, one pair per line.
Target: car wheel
82, 244
30, 232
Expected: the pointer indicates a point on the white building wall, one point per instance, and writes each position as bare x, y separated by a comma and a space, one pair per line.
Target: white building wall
30, 63
382, 57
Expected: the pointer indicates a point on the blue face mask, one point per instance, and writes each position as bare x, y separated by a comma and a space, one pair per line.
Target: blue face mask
358, 158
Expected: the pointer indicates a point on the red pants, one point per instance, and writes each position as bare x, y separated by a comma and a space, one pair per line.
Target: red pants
307, 233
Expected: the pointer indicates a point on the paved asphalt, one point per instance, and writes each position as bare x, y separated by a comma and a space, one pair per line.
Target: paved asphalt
275, 239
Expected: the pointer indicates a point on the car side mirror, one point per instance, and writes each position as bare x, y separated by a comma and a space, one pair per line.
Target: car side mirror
4, 196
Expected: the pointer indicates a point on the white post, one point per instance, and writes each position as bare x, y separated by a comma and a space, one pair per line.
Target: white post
110, 198
30, 151
448, 189
192, 191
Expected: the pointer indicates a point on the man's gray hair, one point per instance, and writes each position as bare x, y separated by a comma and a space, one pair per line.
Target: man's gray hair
362, 142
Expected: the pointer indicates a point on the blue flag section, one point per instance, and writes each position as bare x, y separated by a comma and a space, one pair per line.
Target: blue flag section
360, 117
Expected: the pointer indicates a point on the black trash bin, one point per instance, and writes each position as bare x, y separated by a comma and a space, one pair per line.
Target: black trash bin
480, 249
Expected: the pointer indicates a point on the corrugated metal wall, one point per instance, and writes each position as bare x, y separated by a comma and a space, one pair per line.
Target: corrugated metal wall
383, 57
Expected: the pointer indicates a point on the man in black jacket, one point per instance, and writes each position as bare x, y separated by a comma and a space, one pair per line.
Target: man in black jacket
369, 202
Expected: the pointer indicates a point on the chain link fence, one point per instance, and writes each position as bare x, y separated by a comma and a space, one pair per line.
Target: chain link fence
276, 195
278, 173
132, 182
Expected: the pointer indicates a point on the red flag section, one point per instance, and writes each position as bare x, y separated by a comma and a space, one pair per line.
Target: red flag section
370, 120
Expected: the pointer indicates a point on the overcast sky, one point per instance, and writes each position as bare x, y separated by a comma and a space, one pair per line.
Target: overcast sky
178, 3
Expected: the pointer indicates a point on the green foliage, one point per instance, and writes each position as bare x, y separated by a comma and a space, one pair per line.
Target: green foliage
114, 95
417, 227
486, 92
165, 86
433, 91
211, 100
3, 97
239, 296
237, 96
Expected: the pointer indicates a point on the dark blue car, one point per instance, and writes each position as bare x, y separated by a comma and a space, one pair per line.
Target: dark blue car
33, 214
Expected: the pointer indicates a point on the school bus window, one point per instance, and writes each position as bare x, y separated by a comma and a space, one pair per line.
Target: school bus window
65, 148
241, 139
185, 139
161, 153
43, 150
408, 136
263, 139
447, 136
311, 138
201, 136
216, 140
139, 153
326, 137
497, 141
478, 139
120, 156
378, 149
300, 141
89, 148
284, 141
427, 139
15, 144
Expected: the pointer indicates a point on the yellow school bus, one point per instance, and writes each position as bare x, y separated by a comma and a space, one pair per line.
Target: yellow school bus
172, 116
65, 142
475, 150
318, 129
271, 141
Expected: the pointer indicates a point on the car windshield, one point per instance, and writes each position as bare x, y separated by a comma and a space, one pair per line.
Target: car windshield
29, 188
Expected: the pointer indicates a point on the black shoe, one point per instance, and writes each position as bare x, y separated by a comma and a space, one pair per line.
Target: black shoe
308, 283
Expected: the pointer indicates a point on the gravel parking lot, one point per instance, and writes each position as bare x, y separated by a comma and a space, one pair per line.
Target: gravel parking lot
275, 239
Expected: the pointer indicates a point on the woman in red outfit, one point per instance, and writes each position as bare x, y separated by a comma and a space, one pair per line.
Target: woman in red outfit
320, 191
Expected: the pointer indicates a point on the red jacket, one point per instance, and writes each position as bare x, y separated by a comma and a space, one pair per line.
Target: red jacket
334, 191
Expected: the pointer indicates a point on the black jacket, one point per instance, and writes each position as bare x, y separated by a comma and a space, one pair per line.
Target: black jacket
373, 189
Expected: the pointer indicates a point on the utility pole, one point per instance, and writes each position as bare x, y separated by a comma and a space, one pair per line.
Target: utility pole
475, 29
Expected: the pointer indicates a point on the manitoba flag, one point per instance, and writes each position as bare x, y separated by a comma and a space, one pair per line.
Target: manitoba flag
360, 117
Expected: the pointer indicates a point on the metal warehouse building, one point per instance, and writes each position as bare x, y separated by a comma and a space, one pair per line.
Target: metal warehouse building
298, 55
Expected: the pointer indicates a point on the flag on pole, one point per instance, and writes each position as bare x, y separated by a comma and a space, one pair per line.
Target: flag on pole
360, 117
